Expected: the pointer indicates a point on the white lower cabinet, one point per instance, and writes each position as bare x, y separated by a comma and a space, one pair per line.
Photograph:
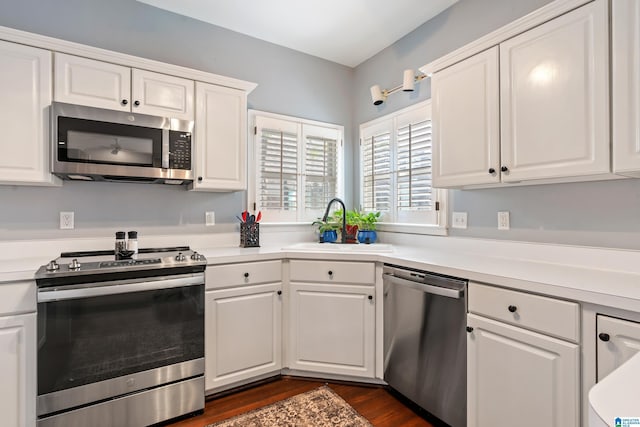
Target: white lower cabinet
18, 370
243, 323
519, 377
517, 372
332, 329
618, 341
243, 333
332, 317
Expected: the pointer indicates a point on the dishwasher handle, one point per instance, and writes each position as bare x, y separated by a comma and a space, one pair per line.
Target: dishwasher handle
423, 287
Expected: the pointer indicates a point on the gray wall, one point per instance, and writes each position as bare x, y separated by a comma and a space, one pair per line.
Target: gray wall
599, 213
595, 214
289, 82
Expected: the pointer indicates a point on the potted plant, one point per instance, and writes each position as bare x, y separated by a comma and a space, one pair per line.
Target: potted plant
352, 218
367, 227
328, 230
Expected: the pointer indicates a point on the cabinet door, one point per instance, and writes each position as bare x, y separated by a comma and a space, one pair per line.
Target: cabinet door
515, 376
25, 85
220, 138
625, 30
621, 343
332, 329
18, 370
554, 98
466, 140
94, 83
242, 334
161, 95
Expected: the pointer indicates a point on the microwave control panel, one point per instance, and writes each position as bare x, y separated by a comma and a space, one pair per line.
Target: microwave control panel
179, 150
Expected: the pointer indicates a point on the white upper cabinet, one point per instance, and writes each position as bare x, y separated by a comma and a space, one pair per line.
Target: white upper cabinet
220, 138
626, 86
104, 85
25, 85
544, 117
94, 83
554, 98
466, 123
161, 95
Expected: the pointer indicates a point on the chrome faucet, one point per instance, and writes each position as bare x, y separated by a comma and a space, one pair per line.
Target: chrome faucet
343, 235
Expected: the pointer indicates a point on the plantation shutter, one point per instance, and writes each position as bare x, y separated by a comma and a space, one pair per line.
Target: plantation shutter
321, 163
414, 190
298, 168
376, 168
277, 162
396, 159
415, 198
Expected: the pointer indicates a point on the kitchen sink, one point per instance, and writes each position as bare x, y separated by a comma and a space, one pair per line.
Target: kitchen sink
340, 247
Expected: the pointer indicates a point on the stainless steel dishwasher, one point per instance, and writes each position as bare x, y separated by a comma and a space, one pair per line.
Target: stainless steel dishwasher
425, 347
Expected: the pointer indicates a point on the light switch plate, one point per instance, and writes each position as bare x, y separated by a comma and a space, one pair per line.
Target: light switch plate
459, 220
67, 221
209, 218
503, 220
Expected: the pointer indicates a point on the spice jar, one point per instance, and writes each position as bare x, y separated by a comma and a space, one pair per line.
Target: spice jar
121, 243
132, 243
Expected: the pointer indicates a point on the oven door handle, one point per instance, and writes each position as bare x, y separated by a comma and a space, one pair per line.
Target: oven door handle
100, 289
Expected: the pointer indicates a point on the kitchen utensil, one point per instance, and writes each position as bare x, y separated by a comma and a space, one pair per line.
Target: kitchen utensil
252, 219
244, 216
259, 217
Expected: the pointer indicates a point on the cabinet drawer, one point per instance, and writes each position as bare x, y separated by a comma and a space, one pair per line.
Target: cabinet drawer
547, 315
17, 297
333, 271
224, 276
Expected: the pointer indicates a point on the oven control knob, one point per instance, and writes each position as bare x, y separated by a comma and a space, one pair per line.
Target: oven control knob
53, 266
180, 257
74, 265
196, 256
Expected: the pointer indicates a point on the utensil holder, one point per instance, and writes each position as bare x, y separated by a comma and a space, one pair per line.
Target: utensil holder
249, 235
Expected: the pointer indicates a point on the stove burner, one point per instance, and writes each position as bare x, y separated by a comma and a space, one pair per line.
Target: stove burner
126, 262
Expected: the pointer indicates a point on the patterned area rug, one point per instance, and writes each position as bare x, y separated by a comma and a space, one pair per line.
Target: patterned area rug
316, 408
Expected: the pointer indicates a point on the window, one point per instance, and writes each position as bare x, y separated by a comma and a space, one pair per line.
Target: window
395, 153
298, 167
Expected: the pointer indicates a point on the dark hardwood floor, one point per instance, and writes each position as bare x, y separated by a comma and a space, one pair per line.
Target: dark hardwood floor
375, 403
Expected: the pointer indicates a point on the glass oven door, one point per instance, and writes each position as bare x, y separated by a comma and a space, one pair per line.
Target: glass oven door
99, 340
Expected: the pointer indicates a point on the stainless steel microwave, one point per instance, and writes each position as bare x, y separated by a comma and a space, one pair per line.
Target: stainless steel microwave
94, 144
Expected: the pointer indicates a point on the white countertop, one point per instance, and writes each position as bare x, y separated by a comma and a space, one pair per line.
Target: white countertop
600, 276
616, 396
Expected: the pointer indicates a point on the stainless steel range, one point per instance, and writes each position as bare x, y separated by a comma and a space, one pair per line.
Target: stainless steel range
120, 342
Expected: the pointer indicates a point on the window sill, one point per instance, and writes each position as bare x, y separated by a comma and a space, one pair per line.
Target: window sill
433, 230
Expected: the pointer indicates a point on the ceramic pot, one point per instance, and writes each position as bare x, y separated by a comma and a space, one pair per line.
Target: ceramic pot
367, 236
328, 236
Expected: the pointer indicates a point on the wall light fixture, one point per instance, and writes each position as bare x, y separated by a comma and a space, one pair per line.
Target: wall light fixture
378, 96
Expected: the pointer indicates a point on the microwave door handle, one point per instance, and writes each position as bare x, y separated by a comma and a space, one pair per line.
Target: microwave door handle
165, 149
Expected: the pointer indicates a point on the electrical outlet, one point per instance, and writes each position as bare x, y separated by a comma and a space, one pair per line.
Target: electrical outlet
459, 220
503, 220
210, 218
66, 221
